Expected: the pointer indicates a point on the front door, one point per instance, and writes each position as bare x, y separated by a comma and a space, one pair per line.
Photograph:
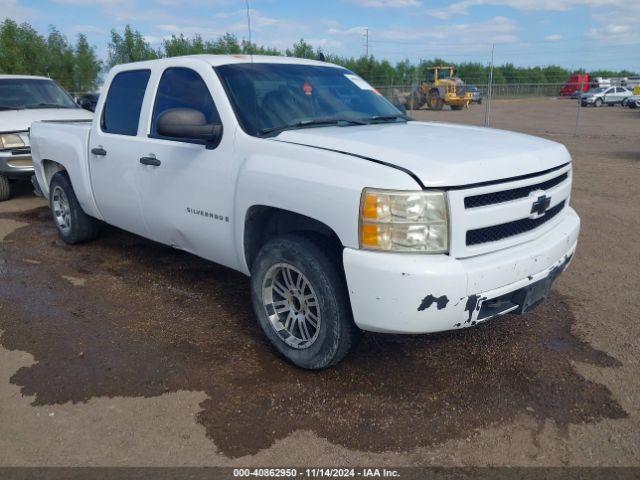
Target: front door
187, 196
114, 152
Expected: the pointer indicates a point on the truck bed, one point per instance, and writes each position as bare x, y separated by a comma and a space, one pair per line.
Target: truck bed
68, 140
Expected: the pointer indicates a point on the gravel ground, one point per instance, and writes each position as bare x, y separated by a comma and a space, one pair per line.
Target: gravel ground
125, 352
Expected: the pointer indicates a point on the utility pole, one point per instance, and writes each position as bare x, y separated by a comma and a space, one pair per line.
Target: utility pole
366, 48
366, 43
487, 110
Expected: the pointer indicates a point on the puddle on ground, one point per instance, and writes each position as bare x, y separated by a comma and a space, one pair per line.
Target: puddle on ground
151, 320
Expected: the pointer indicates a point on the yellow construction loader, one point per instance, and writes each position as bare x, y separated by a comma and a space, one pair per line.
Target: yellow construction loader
441, 88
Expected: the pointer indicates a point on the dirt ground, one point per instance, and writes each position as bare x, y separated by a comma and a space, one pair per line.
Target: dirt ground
125, 352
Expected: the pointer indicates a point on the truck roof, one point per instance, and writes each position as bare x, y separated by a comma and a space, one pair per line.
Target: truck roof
2, 77
217, 60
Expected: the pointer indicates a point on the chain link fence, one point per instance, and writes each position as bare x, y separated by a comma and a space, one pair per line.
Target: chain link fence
532, 107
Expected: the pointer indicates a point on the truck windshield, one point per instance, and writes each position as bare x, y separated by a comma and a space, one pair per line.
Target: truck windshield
22, 93
269, 98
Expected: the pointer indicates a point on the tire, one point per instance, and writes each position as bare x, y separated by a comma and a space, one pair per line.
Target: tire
625, 102
74, 226
435, 102
480, 101
597, 102
5, 189
320, 294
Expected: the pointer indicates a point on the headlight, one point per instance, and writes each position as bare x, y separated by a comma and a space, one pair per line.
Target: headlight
403, 221
10, 140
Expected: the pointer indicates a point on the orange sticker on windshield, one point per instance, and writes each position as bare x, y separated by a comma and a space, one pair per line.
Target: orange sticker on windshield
308, 89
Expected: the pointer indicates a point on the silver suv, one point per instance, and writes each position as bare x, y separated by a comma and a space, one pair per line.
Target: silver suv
606, 95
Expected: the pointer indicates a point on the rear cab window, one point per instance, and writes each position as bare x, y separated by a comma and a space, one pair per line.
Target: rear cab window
121, 111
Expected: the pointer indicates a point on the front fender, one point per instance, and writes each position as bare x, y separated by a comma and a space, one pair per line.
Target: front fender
316, 183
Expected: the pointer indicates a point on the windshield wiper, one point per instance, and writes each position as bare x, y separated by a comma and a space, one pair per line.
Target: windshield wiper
385, 118
318, 122
11, 108
47, 105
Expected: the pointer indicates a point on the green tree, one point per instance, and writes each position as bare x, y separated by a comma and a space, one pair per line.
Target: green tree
226, 44
86, 66
22, 49
130, 46
301, 49
181, 45
60, 59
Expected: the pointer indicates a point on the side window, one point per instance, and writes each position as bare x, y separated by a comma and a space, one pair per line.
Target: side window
183, 88
121, 112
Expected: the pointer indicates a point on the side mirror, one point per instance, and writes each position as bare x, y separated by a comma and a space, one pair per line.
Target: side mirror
188, 124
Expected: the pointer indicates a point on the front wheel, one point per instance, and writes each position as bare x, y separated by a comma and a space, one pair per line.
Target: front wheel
74, 226
435, 102
300, 298
598, 102
625, 101
5, 189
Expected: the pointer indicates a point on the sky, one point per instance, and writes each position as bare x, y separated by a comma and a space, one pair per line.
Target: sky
571, 33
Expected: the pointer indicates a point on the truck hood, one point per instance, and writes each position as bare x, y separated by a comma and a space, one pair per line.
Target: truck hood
439, 154
20, 120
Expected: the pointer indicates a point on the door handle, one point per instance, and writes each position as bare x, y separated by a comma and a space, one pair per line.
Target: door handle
153, 161
99, 151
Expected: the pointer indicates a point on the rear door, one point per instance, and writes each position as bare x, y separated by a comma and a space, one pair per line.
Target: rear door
610, 95
115, 149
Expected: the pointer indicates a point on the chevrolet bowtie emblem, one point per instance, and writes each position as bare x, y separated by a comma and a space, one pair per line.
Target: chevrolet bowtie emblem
540, 206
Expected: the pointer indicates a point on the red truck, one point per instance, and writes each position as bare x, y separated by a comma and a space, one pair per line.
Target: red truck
576, 82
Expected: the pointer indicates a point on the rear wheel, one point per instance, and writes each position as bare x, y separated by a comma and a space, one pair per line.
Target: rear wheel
301, 301
5, 189
74, 226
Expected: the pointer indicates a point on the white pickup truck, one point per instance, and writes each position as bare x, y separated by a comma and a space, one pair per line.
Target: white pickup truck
346, 214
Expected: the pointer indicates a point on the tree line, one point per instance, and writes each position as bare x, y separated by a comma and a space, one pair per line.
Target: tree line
77, 67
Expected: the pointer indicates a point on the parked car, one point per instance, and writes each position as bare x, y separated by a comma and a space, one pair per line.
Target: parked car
88, 101
633, 101
477, 96
24, 99
606, 96
300, 175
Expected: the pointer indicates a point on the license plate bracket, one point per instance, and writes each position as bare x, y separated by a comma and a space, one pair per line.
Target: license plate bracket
536, 293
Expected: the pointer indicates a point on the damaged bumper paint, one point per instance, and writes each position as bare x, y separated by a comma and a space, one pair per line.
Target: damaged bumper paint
398, 293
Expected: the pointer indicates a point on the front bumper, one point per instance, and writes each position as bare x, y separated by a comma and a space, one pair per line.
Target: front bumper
406, 293
16, 163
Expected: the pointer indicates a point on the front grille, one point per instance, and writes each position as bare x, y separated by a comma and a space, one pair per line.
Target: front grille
510, 229
507, 195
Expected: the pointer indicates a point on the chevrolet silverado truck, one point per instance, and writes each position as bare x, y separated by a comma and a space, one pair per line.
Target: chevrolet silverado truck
24, 99
346, 214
